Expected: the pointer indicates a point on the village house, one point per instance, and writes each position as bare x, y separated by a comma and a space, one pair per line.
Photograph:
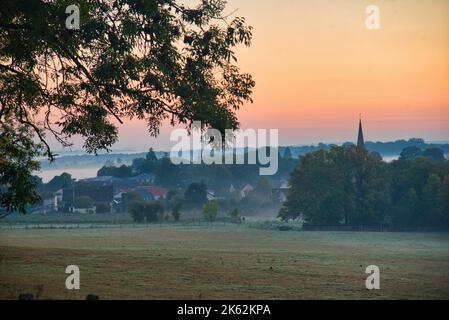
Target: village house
246, 190
280, 192
151, 193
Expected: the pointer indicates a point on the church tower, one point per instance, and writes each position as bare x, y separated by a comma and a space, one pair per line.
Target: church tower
360, 140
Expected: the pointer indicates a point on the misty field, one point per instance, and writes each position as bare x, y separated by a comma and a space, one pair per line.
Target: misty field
230, 262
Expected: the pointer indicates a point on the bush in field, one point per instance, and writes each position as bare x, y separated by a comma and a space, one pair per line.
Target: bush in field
129, 198
150, 212
176, 205
103, 207
137, 211
158, 210
235, 215
210, 211
195, 214
196, 194
443, 199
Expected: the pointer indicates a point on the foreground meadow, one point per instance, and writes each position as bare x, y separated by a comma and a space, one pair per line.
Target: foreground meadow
229, 262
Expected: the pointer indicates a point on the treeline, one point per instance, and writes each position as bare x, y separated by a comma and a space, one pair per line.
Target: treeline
390, 148
170, 209
351, 186
196, 201
217, 177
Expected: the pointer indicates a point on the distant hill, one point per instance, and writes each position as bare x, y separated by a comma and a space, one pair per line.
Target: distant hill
73, 161
392, 148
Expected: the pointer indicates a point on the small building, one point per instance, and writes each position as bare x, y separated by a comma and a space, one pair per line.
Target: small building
59, 195
118, 196
246, 190
210, 195
50, 204
281, 191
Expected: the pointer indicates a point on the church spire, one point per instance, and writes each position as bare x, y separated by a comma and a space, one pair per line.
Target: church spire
360, 140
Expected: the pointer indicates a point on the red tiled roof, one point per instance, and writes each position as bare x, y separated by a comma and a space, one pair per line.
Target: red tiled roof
154, 190
157, 191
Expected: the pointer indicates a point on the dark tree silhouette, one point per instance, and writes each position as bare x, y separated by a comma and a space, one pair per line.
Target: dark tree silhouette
146, 59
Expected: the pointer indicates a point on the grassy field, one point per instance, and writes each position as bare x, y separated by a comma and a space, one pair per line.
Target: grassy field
231, 262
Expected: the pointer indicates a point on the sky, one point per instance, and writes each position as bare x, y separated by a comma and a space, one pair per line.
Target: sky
317, 67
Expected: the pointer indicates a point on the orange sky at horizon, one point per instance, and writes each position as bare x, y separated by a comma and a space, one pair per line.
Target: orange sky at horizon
318, 72
317, 67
